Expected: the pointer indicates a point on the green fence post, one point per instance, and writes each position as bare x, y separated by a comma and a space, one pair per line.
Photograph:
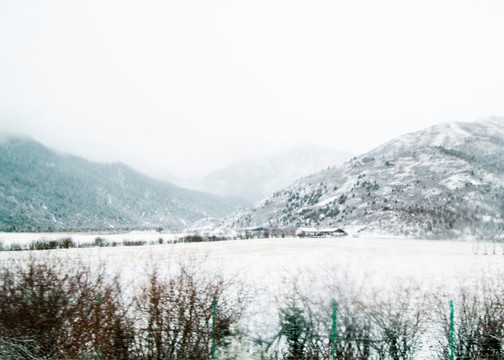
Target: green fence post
452, 331
97, 326
214, 318
334, 329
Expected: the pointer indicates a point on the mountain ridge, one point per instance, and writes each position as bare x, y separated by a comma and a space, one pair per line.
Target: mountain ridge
45, 190
441, 182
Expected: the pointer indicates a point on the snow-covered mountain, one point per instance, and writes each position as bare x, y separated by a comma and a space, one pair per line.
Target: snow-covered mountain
255, 179
445, 181
44, 190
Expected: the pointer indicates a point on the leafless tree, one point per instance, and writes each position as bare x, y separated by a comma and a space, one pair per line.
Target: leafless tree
177, 318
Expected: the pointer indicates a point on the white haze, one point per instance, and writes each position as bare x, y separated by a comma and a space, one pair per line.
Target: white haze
193, 86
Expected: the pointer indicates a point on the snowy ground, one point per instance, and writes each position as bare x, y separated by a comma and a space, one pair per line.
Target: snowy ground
265, 262
270, 266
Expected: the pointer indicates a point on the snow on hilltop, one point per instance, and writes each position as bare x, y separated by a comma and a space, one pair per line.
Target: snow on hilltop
445, 181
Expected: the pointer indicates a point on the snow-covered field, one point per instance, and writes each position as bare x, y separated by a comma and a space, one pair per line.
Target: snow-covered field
264, 262
270, 267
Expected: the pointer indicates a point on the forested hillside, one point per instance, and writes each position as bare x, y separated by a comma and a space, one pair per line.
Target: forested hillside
43, 190
445, 181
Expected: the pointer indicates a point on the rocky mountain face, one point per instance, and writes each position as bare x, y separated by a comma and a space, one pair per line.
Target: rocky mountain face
42, 190
443, 182
255, 179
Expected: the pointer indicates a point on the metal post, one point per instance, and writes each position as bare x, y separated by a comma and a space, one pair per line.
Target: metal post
97, 327
452, 331
214, 318
334, 329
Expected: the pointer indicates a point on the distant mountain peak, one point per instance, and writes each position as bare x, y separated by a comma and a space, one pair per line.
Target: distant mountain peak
254, 179
437, 182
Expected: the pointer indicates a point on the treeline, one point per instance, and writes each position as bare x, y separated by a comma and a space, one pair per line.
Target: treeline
69, 243
61, 309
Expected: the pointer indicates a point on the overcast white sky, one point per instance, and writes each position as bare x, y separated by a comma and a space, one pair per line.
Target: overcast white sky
190, 86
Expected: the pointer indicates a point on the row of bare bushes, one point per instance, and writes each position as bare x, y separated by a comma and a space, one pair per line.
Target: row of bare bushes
50, 309
69, 243
405, 321
61, 309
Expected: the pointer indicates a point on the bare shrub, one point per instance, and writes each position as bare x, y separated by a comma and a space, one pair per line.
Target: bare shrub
66, 243
325, 316
16, 349
354, 340
63, 243
100, 242
400, 322
134, 242
478, 323
51, 309
193, 238
32, 304
306, 331
298, 335
306, 321
43, 245
175, 314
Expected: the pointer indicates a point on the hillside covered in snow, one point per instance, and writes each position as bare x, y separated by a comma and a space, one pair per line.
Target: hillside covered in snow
44, 190
446, 181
